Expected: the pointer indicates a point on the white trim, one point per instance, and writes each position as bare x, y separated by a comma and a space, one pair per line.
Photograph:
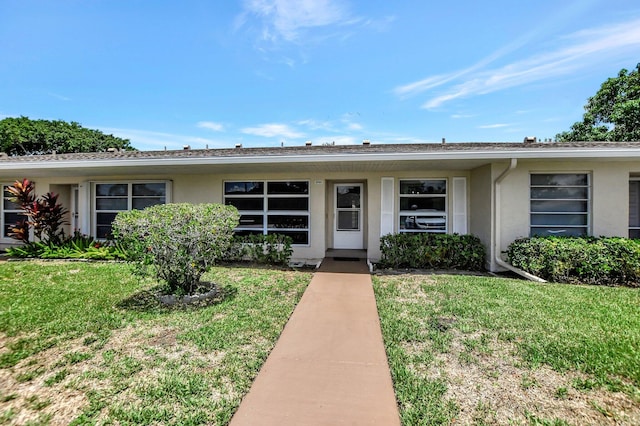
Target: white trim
459, 197
387, 206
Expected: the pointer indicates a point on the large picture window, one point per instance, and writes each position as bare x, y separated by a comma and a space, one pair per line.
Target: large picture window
423, 205
10, 214
559, 204
110, 198
271, 207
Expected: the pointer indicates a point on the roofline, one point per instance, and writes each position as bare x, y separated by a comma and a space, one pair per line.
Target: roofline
482, 154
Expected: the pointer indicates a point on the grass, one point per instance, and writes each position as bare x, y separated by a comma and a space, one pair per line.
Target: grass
521, 337
90, 341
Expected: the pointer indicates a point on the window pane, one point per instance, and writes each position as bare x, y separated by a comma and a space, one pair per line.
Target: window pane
562, 179
10, 220
105, 218
423, 187
111, 189
149, 189
348, 220
423, 203
559, 206
348, 197
555, 193
8, 205
559, 219
111, 204
426, 223
291, 222
288, 187
298, 237
570, 232
243, 188
141, 203
245, 203
634, 233
251, 221
301, 203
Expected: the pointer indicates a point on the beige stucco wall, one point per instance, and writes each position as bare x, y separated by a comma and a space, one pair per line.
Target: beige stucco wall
481, 201
609, 196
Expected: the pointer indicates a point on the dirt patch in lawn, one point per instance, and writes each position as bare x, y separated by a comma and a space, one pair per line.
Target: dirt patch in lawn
491, 385
53, 386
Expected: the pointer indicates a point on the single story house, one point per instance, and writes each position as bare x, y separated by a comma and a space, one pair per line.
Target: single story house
347, 197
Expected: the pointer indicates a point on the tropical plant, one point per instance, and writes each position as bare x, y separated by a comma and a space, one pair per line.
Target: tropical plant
44, 214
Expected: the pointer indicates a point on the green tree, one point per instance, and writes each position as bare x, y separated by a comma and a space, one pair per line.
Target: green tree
23, 136
612, 114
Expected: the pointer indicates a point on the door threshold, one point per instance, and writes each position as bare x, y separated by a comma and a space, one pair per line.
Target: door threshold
346, 253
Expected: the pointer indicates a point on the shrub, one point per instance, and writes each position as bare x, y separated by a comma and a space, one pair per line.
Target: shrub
588, 260
177, 243
272, 249
432, 251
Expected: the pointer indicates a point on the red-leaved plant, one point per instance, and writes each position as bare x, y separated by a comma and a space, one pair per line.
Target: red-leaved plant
45, 215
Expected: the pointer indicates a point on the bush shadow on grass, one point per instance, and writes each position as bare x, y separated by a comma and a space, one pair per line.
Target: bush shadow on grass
149, 300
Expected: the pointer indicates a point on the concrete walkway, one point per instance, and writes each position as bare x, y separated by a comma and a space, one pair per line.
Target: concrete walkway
329, 366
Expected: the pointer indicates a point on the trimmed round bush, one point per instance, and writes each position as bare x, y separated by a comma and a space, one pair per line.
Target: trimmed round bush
586, 260
177, 243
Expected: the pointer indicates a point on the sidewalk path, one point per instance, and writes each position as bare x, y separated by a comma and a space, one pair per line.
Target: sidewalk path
329, 366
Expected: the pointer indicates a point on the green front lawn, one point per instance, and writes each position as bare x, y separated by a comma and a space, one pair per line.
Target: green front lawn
471, 349
83, 343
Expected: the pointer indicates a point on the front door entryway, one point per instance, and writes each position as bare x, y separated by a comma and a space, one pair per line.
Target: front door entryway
348, 227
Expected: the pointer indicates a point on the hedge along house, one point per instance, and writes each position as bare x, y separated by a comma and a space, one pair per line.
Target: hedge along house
346, 197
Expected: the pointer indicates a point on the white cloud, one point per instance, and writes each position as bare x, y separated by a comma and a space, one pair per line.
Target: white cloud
456, 116
285, 19
493, 126
581, 50
58, 96
317, 125
216, 127
273, 130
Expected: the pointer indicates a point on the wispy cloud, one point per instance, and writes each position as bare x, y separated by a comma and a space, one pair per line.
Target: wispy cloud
216, 127
578, 51
58, 96
272, 130
494, 126
457, 116
286, 19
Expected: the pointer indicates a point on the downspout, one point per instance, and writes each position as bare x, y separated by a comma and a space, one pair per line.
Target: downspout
497, 255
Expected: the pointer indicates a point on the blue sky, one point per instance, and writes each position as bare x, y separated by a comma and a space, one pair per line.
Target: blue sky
266, 72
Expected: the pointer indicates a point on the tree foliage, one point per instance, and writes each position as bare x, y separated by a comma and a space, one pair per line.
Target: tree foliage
23, 136
612, 114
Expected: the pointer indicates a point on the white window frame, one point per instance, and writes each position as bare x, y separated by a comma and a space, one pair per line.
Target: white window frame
431, 214
265, 212
130, 197
3, 211
561, 228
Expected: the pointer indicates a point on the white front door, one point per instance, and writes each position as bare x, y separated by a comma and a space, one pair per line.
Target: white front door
347, 226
